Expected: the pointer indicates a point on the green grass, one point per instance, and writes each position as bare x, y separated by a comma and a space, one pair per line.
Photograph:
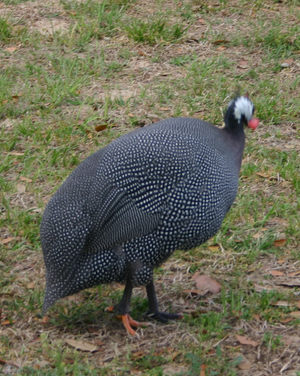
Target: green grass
5, 30
152, 32
121, 65
93, 20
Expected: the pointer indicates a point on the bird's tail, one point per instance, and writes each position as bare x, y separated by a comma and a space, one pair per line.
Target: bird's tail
89, 270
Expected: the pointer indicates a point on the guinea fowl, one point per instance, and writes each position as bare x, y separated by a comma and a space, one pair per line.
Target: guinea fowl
126, 208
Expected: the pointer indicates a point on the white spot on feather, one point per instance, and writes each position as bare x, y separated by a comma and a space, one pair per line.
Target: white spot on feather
243, 106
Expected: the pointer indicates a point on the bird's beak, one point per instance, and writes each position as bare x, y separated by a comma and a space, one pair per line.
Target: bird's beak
253, 123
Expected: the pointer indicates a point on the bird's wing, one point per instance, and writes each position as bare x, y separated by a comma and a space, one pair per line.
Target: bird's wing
137, 175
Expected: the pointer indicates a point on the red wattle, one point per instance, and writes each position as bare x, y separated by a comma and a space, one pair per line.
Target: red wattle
253, 123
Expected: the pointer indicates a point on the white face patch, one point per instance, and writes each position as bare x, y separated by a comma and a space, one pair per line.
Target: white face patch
243, 106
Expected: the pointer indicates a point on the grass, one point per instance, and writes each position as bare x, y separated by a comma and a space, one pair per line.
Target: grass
115, 66
5, 30
153, 32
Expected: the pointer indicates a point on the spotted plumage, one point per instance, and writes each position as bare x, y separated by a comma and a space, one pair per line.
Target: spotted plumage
126, 208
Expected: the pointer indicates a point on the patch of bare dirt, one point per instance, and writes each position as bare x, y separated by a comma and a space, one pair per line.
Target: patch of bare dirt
262, 360
48, 26
276, 274
283, 137
45, 18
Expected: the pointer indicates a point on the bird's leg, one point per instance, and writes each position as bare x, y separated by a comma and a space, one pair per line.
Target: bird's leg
123, 309
153, 306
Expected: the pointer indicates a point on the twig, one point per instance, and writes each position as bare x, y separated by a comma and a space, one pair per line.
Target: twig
286, 366
221, 340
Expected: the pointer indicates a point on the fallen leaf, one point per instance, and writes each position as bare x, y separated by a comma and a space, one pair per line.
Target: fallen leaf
263, 175
292, 283
15, 98
220, 41
203, 367
193, 292
7, 322
82, 346
281, 303
30, 285
294, 274
11, 49
298, 304
279, 242
214, 248
286, 63
276, 273
98, 342
244, 364
259, 234
246, 341
7, 240
221, 48
100, 127
202, 21
286, 320
45, 320
295, 314
23, 178
281, 261
205, 284
3, 362
137, 355
21, 188
243, 64
16, 153
164, 108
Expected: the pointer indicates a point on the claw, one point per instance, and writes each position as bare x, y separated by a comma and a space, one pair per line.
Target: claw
128, 322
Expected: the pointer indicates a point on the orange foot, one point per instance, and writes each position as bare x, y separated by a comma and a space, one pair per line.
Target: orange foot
128, 322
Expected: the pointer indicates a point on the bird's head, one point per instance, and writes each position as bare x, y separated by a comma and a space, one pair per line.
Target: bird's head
240, 112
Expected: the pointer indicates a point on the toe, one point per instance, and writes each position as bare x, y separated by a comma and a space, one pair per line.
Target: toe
127, 322
164, 316
134, 323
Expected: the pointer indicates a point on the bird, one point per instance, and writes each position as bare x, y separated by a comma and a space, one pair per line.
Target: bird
126, 208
